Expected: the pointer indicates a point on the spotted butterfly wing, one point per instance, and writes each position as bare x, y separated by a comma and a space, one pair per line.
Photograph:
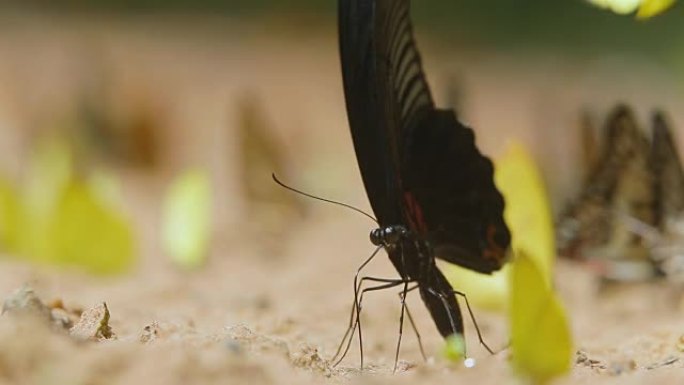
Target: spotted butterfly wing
419, 164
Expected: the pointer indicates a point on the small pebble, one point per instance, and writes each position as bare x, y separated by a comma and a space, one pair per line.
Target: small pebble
61, 319
584, 360
150, 333
94, 324
25, 300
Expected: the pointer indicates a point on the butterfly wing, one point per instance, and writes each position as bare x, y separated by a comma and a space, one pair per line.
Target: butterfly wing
451, 196
667, 169
371, 110
590, 144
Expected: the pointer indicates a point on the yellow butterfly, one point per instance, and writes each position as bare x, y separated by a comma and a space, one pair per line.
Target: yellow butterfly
644, 8
65, 219
541, 342
187, 218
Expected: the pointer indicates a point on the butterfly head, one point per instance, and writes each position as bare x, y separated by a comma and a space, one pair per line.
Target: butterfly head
388, 236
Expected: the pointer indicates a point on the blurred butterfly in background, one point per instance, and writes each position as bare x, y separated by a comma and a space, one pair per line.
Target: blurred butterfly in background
269, 215
667, 246
644, 8
633, 197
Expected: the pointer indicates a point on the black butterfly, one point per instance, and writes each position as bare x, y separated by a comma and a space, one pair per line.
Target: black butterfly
429, 186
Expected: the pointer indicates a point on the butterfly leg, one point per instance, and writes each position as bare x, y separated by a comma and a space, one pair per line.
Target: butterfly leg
470, 311
389, 285
386, 284
402, 296
354, 304
472, 317
347, 332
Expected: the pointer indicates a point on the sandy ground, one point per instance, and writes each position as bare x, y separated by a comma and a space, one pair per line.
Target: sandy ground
273, 312
251, 318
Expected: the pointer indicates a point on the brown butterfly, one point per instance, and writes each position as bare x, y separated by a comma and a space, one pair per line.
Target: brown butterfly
666, 166
618, 192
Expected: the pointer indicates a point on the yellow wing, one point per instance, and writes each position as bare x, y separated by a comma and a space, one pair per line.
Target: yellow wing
187, 218
644, 8
541, 342
528, 215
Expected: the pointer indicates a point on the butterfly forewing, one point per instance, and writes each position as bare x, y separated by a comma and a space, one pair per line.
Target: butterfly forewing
365, 103
405, 89
385, 92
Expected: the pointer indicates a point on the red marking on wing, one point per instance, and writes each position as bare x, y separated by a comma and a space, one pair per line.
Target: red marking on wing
493, 250
415, 213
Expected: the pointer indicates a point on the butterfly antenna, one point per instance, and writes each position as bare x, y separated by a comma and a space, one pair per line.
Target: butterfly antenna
275, 179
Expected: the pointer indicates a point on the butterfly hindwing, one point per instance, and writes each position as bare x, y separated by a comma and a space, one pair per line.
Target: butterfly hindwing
457, 205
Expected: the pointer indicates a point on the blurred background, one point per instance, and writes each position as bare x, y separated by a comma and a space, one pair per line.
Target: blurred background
167, 84
130, 97
127, 97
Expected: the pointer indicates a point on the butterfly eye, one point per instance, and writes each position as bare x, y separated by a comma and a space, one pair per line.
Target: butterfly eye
376, 237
